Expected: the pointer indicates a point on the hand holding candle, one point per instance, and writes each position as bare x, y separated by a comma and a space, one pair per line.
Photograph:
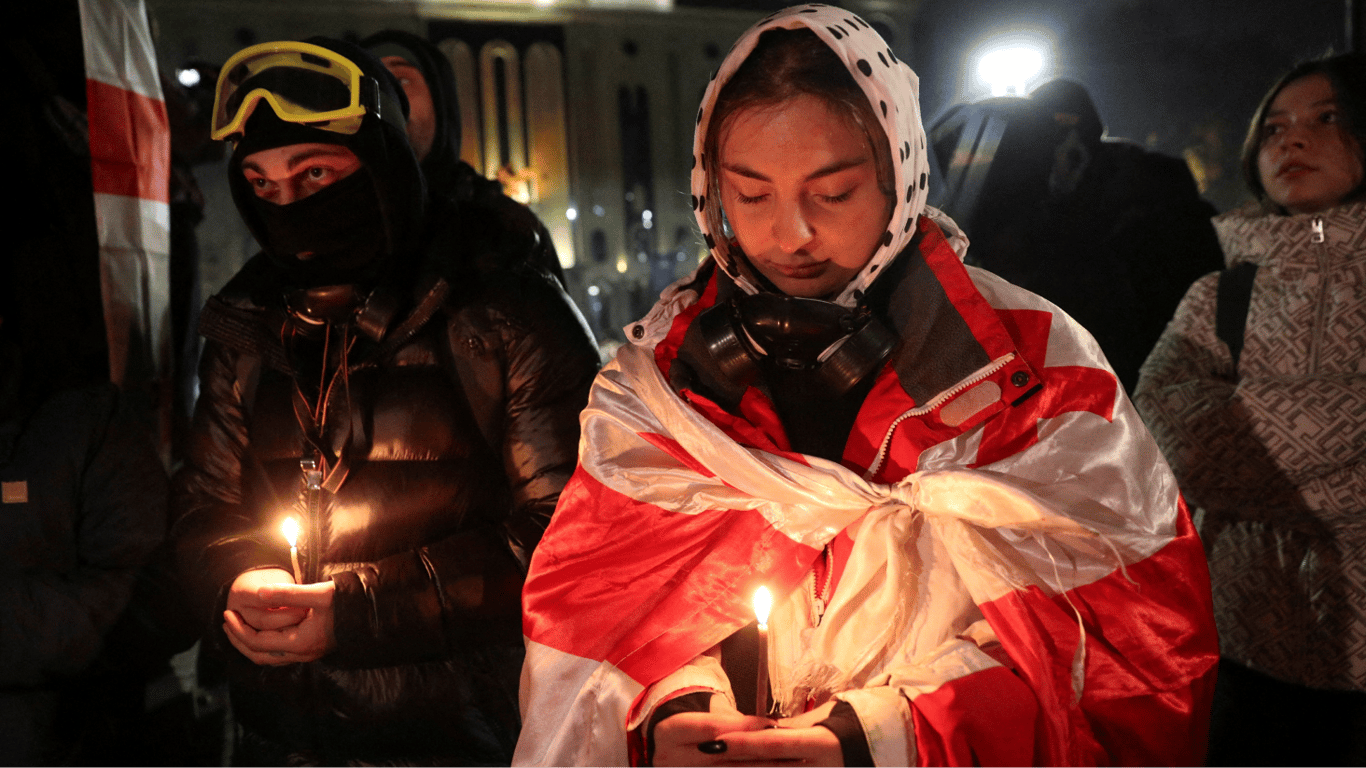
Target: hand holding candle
763, 602
291, 531
273, 621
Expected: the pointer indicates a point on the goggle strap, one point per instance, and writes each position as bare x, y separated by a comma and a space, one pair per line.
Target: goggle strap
383, 106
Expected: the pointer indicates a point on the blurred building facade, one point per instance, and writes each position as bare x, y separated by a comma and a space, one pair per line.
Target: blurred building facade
583, 108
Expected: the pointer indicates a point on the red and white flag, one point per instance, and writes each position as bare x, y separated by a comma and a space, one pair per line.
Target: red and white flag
1052, 530
130, 159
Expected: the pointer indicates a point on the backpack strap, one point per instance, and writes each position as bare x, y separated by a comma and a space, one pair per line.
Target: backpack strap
1230, 313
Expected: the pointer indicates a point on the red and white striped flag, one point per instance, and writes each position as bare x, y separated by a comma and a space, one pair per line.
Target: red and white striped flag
1052, 527
130, 159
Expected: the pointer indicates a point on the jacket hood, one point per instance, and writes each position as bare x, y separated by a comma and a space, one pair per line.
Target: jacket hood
892, 89
439, 164
1069, 103
381, 145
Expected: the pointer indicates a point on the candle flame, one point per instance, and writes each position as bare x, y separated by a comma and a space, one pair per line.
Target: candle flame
291, 530
763, 603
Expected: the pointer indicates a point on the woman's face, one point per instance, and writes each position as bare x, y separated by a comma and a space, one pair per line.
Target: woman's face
1308, 162
799, 187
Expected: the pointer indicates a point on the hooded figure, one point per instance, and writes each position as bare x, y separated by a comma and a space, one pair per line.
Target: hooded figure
438, 145
356, 229
434, 132
405, 387
83, 497
1108, 230
955, 508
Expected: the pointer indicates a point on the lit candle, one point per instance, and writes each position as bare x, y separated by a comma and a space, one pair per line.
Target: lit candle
291, 531
763, 602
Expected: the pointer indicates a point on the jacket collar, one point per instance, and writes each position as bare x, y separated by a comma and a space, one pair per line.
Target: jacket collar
1252, 234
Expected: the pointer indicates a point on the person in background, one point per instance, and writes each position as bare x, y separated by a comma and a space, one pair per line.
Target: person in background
406, 389
975, 552
82, 507
1257, 396
82, 492
434, 132
1109, 231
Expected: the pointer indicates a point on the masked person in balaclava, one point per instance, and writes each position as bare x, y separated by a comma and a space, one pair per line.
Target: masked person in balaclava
405, 394
434, 132
974, 552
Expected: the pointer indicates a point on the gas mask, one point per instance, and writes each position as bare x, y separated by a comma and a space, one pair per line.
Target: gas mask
837, 346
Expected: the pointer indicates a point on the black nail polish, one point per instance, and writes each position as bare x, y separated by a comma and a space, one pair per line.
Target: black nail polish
712, 747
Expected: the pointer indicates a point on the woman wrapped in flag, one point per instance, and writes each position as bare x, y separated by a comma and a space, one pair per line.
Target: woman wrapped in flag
976, 551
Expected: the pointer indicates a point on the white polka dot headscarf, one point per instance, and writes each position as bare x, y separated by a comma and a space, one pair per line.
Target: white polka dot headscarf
892, 89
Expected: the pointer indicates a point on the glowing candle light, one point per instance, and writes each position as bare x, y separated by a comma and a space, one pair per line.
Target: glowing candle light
763, 602
291, 531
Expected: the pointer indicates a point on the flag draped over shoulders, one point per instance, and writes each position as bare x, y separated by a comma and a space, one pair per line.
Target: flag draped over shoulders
1012, 575
1040, 537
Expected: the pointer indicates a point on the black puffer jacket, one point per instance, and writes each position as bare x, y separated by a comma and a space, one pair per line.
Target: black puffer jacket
457, 424
83, 506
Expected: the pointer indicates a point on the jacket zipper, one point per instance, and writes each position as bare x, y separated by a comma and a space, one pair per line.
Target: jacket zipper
934, 402
1317, 236
820, 592
313, 489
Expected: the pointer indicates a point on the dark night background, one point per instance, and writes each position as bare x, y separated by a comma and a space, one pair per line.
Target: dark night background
1180, 76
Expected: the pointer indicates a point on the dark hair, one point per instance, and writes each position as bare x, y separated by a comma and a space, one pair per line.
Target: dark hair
785, 64
1346, 73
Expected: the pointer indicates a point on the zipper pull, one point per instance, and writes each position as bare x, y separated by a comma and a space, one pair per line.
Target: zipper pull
817, 611
1316, 225
313, 477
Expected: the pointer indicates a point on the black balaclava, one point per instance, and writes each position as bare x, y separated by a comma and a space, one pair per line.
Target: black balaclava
440, 164
359, 228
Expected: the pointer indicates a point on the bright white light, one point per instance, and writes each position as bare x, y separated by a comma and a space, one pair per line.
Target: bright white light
571, 213
187, 77
593, 290
1010, 69
763, 602
1012, 63
290, 529
647, 214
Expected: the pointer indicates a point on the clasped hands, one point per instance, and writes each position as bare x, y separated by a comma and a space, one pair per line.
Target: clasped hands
723, 736
274, 621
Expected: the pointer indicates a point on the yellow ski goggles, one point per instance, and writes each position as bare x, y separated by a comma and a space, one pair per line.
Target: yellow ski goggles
303, 83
